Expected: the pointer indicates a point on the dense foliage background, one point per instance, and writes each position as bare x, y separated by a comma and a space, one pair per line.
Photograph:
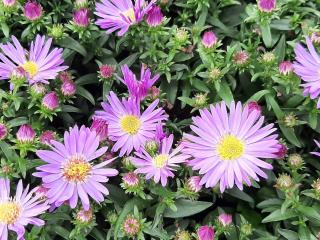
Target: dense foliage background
191, 78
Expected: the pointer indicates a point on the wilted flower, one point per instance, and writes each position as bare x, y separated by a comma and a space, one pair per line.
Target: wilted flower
315, 37
19, 211
120, 15
26, 134
284, 182
209, 39
241, 58
254, 106
131, 226
68, 88
3, 131
32, 10
50, 101
227, 146
154, 92
84, 216
193, 184
106, 71
285, 68
295, 160
154, 16
266, 5
205, 233
225, 219
46, 137
81, 17
100, 126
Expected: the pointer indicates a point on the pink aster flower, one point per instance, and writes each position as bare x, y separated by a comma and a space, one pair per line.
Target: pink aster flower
227, 145
205, 233
19, 211
307, 67
70, 173
121, 14
138, 89
160, 166
100, 126
39, 63
285, 68
267, 5
128, 127
81, 17
154, 16
32, 10
209, 39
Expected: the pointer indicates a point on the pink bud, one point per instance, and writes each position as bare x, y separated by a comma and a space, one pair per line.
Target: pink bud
282, 151
193, 183
46, 137
50, 101
266, 5
130, 179
81, 17
154, 16
25, 134
225, 219
65, 76
241, 58
254, 106
85, 216
209, 39
32, 10
3, 131
100, 126
205, 233
68, 88
9, 3
285, 68
106, 71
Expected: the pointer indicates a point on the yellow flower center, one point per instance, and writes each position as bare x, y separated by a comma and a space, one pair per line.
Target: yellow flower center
9, 212
130, 124
31, 68
130, 14
230, 148
76, 169
159, 161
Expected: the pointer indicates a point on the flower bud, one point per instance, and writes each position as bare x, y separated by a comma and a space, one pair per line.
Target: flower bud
68, 88
316, 187
154, 16
130, 179
18, 76
214, 74
131, 226
81, 17
81, 4
112, 217
290, 120
254, 106
106, 71
154, 92
181, 35
246, 229
100, 126
285, 68
193, 184
65, 76
209, 39
282, 151
268, 57
183, 235
266, 5
9, 3
32, 10
200, 100
85, 216
46, 137
3, 131
205, 233
295, 160
151, 147
284, 182
241, 58
50, 101
56, 31
225, 219
6, 169
25, 134
42, 192
38, 90
315, 37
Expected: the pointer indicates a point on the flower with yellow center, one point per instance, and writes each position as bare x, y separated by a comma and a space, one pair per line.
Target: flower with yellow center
130, 15
230, 148
9, 212
130, 124
159, 161
76, 169
31, 68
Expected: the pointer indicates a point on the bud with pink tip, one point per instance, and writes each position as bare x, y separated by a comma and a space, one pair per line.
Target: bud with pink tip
209, 39
193, 183
42, 192
38, 90
106, 71
254, 106
25, 134
65, 76
282, 151
205, 233
100, 126
46, 137
81, 17
9, 3
315, 37
267, 5
68, 88
3, 131
285, 68
50, 101
225, 219
32, 10
241, 58
130, 179
85, 216
154, 16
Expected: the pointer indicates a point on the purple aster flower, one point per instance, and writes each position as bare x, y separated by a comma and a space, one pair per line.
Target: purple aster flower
160, 166
209, 39
19, 211
25, 134
205, 233
160, 134
228, 146
100, 126
70, 173
50, 101
154, 16
39, 63
267, 5
225, 219
138, 89
307, 67
121, 14
81, 17
318, 145
128, 127
285, 68
32, 10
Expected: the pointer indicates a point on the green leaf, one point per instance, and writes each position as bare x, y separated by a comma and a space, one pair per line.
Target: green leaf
290, 135
5, 29
87, 79
280, 49
69, 42
278, 216
129, 60
187, 208
17, 121
288, 234
256, 97
86, 94
235, 192
309, 212
266, 35
225, 93
8, 152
